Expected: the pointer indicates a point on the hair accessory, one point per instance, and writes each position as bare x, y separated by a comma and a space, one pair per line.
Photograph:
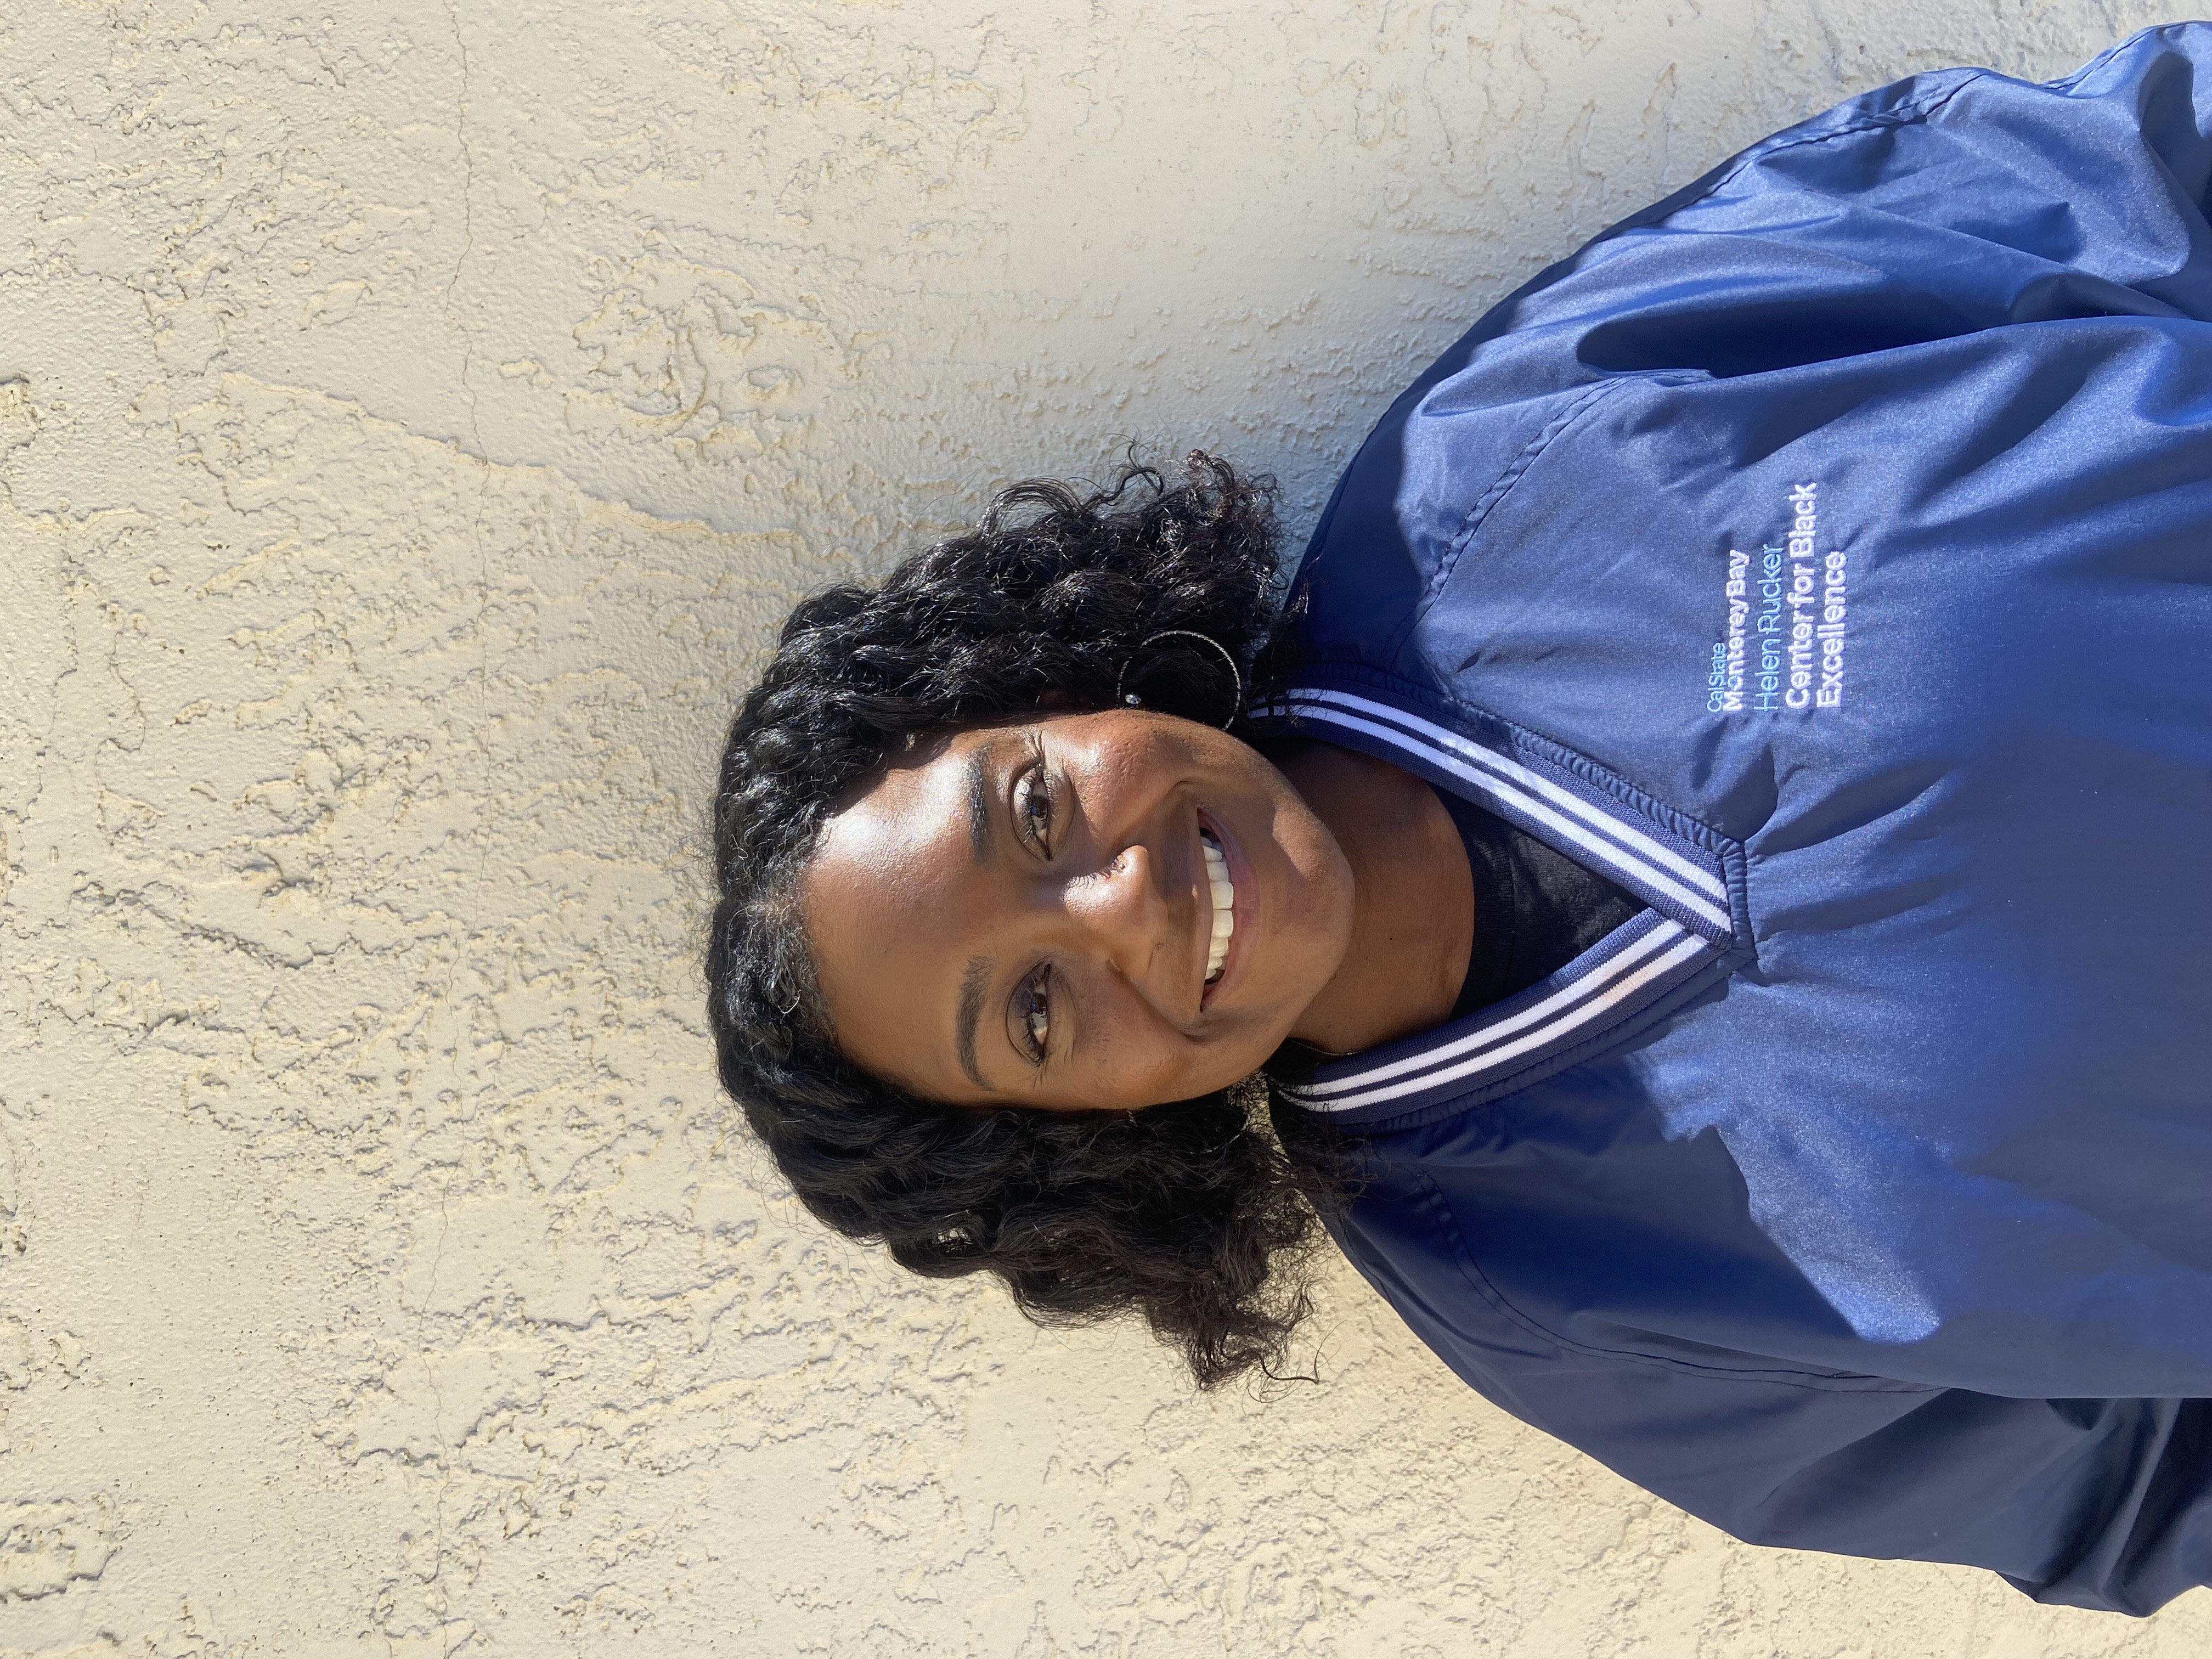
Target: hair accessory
1134, 701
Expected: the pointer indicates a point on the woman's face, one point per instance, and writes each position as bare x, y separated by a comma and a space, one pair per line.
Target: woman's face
1026, 914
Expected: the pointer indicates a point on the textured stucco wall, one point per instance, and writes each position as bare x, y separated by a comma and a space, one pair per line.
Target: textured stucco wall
412, 418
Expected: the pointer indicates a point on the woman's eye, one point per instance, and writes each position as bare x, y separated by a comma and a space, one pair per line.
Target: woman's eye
1033, 1015
1033, 808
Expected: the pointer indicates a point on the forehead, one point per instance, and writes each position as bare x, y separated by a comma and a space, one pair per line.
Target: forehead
909, 845
897, 900
913, 803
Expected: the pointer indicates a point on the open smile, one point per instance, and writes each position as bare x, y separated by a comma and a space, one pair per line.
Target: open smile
1221, 870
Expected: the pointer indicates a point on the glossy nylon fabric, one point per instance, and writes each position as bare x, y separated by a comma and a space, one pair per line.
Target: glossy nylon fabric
1895, 1238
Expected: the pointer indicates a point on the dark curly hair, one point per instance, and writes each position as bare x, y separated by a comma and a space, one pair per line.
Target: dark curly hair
1192, 1214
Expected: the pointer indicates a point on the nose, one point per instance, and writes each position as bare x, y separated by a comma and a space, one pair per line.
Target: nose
1123, 911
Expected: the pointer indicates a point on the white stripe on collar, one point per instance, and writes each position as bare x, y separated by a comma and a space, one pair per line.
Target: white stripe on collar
1609, 843
1638, 961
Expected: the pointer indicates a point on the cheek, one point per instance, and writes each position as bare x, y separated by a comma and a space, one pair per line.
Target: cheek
1180, 1077
1134, 1063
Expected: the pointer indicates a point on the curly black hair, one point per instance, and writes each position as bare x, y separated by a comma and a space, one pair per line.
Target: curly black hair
1191, 1214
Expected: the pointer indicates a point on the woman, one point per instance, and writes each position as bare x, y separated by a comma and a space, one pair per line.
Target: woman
1713, 861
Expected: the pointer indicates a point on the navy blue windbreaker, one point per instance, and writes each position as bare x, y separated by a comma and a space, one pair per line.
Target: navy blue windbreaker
1824, 555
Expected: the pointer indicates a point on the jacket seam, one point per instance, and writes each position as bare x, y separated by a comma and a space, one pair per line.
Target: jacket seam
1909, 113
1487, 503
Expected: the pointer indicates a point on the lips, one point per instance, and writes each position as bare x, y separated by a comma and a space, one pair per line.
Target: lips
1223, 893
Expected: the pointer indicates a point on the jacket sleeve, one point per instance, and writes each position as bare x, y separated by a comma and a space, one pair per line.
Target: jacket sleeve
2099, 1503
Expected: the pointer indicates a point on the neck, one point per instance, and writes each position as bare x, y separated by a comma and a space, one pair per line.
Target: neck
1413, 900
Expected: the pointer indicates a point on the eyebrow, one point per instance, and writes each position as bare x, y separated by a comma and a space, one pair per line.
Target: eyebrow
973, 984
980, 838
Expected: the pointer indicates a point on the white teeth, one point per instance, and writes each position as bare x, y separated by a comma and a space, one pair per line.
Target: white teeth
1225, 905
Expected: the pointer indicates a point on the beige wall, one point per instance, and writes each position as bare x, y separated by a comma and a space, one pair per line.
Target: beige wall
417, 416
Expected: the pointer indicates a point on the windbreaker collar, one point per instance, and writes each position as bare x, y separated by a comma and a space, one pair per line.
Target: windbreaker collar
1689, 877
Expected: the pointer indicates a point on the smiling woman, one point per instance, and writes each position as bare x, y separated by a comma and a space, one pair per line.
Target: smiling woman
1770, 1069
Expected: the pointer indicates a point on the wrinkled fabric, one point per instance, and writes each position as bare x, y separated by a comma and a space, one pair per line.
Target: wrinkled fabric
1895, 1238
